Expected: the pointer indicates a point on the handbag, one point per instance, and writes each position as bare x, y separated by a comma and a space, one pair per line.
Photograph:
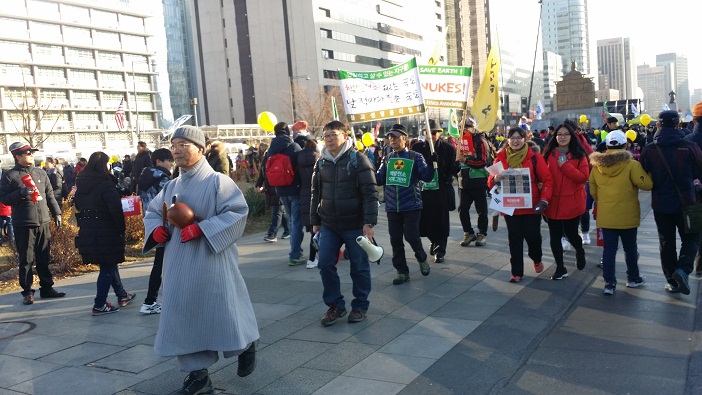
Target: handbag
692, 214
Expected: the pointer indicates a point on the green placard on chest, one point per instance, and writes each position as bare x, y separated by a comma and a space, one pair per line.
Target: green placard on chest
399, 172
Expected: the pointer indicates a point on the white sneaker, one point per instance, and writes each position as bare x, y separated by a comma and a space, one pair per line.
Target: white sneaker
586, 239
312, 264
150, 308
565, 243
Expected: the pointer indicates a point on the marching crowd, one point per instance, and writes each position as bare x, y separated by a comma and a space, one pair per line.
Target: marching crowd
194, 214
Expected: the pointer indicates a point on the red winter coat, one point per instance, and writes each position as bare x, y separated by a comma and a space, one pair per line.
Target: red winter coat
542, 176
568, 199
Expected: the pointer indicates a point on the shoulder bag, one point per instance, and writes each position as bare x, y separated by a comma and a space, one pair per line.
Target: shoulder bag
692, 214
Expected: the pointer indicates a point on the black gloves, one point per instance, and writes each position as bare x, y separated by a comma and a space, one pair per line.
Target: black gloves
57, 221
541, 207
434, 158
26, 191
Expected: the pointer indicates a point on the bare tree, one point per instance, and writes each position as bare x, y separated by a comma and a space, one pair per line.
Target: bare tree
315, 107
33, 114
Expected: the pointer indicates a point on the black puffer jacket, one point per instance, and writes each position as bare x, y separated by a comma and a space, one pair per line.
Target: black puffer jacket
343, 196
101, 236
305, 167
141, 161
24, 211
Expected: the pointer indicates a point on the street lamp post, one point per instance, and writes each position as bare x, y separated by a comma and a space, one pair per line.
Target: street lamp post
292, 93
193, 102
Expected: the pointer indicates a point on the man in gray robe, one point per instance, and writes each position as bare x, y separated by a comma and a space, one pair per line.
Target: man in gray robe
206, 306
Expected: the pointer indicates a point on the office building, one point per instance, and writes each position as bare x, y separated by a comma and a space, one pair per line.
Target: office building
254, 56
181, 62
678, 64
564, 33
66, 66
617, 61
696, 96
655, 82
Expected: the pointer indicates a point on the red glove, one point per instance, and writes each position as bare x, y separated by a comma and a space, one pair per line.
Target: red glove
190, 232
161, 234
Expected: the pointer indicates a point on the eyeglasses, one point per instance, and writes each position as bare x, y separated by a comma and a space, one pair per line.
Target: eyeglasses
563, 135
331, 135
516, 138
436, 131
179, 146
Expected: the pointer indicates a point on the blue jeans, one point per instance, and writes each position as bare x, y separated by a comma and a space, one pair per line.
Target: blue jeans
109, 276
631, 254
292, 207
278, 217
330, 241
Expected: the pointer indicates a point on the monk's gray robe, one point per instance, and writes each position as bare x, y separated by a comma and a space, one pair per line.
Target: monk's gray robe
206, 305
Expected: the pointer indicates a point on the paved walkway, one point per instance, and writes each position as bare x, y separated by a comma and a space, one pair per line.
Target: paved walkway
462, 330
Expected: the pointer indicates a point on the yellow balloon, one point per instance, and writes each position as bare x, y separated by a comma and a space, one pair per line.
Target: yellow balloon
42, 164
114, 159
266, 120
597, 131
631, 135
583, 118
645, 119
367, 139
359, 145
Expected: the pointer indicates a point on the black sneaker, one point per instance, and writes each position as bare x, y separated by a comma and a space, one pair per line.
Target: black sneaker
332, 315
197, 383
439, 258
580, 261
680, 277
107, 308
247, 361
126, 299
50, 293
356, 316
560, 274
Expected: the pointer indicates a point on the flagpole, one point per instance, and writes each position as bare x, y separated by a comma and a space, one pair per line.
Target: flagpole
536, 47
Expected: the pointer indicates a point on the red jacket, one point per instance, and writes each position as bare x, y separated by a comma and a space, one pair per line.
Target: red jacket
584, 143
543, 176
568, 199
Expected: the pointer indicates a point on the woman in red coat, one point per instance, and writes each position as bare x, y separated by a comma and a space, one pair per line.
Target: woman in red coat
567, 161
524, 223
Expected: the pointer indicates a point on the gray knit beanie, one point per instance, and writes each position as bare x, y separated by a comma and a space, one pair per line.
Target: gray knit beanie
190, 133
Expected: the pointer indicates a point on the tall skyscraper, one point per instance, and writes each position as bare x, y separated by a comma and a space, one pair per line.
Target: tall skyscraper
616, 60
181, 66
251, 54
565, 38
678, 65
564, 32
65, 67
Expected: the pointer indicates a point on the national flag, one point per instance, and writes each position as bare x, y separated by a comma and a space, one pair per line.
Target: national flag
453, 129
539, 109
335, 111
487, 99
634, 110
119, 115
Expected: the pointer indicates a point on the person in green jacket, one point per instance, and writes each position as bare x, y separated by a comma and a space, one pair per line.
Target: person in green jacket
615, 181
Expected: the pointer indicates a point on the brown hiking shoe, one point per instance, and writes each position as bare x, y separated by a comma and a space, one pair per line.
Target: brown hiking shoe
356, 316
480, 240
468, 238
28, 299
332, 315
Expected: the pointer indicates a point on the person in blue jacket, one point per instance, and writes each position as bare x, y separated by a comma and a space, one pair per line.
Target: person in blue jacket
401, 172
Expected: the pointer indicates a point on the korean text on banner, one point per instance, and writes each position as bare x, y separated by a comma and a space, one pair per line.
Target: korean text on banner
389, 93
487, 99
445, 86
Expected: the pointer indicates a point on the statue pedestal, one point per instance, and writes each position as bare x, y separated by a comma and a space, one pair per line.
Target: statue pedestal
673, 106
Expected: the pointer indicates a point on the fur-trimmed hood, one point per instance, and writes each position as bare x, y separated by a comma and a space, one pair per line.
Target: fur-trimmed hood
218, 148
612, 162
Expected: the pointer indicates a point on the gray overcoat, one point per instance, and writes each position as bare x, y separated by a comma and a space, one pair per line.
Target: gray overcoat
206, 305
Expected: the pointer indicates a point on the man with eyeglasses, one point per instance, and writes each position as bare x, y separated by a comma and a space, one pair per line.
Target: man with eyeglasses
400, 173
206, 306
436, 194
473, 154
344, 206
28, 190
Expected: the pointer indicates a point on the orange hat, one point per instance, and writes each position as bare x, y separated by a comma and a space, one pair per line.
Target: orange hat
299, 125
697, 110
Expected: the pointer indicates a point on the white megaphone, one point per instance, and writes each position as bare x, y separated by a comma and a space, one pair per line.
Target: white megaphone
374, 252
